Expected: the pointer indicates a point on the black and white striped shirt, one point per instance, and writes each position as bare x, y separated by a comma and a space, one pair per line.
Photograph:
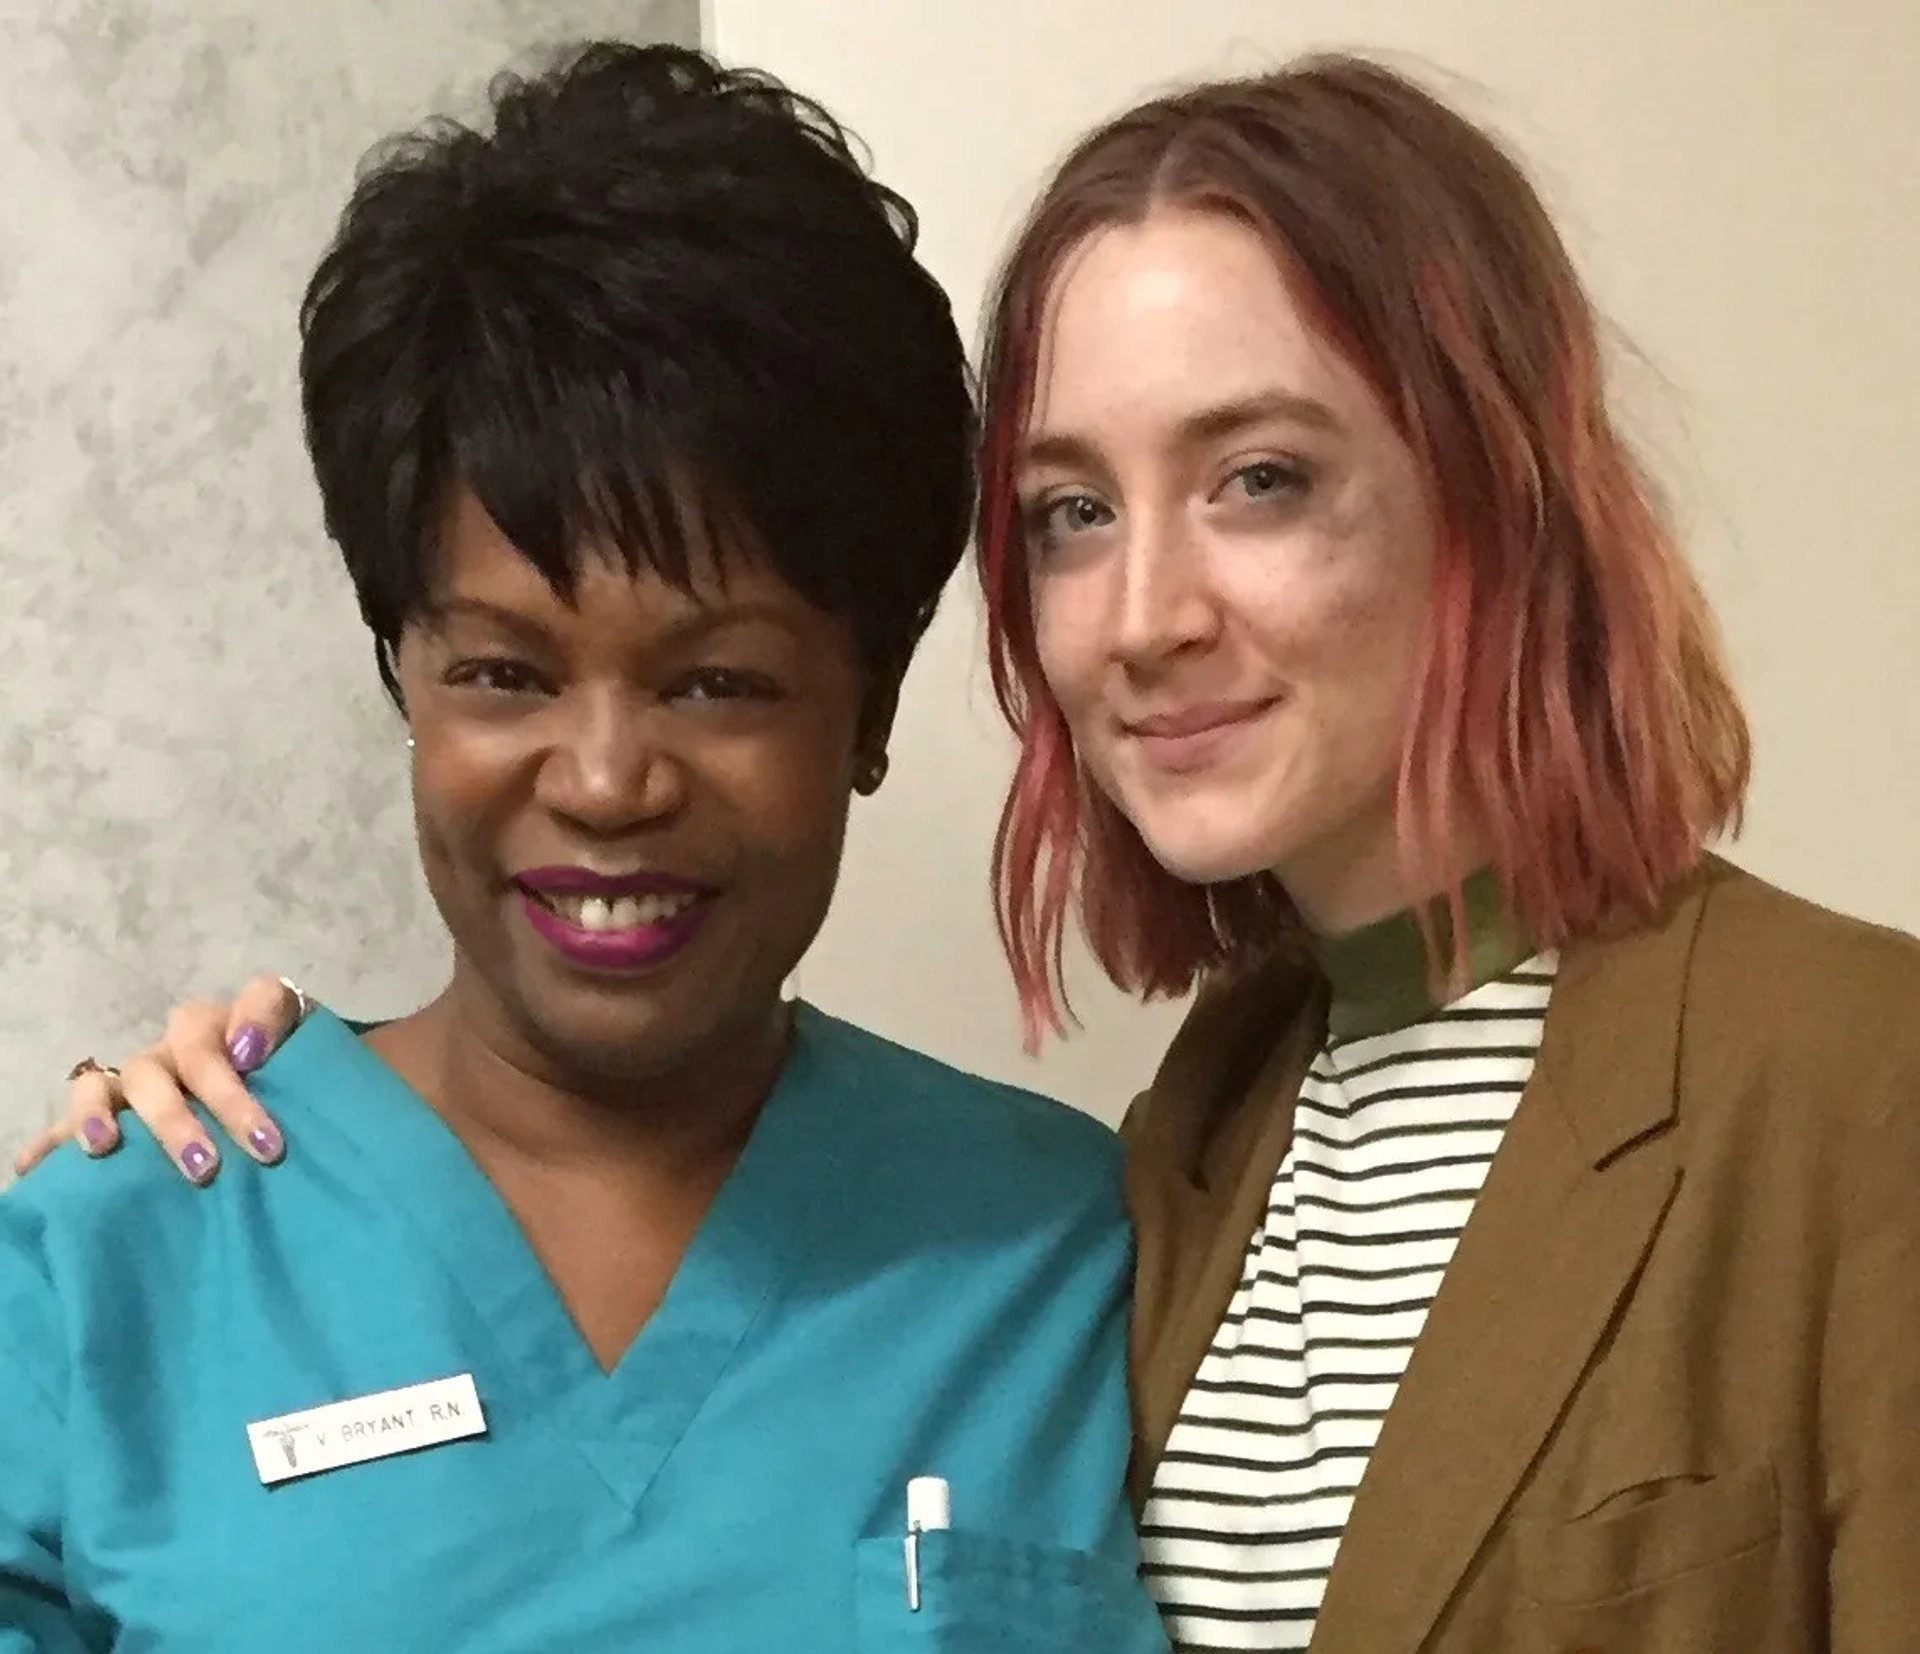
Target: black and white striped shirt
1393, 1135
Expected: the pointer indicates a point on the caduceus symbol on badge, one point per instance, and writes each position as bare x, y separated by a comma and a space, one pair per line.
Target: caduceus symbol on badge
285, 1437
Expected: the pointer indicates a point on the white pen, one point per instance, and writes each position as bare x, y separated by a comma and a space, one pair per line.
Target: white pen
929, 1510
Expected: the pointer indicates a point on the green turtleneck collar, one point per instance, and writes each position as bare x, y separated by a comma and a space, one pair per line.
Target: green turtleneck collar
1380, 974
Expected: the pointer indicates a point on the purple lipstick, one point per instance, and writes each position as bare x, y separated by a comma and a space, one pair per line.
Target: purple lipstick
613, 922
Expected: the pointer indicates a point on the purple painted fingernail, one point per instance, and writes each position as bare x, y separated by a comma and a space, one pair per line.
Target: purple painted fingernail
97, 1132
265, 1141
247, 1048
196, 1160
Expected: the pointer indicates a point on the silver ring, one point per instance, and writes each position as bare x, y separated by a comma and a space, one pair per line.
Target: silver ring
301, 1003
86, 1065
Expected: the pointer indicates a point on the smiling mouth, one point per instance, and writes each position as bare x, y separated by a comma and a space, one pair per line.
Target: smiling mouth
1192, 739
1197, 722
603, 915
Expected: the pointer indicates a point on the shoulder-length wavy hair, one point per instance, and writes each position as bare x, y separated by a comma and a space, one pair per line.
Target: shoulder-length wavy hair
1571, 693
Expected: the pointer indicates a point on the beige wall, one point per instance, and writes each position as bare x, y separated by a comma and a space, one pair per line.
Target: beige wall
1742, 185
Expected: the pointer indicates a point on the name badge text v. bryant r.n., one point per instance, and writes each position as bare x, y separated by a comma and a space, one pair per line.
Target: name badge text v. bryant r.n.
367, 1427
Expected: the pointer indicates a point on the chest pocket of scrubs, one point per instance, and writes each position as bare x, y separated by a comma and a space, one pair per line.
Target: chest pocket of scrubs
985, 1595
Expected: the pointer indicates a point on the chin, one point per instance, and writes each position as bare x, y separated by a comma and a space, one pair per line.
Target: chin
1198, 856
605, 1037
1214, 829
638, 1024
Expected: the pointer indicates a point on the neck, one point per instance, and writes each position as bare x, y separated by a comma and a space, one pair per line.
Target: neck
1357, 877
505, 1097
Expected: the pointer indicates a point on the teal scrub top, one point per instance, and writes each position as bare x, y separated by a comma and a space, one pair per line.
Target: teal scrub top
910, 1272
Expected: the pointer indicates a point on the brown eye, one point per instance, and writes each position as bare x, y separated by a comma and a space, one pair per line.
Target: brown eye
496, 675
723, 683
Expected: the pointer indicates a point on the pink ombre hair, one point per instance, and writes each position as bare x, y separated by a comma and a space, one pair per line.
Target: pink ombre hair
1571, 693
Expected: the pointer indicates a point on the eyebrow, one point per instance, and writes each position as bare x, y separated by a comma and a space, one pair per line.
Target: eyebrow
697, 620
1197, 429
440, 612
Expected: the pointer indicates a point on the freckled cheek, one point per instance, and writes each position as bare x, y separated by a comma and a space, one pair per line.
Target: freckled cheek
1067, 640
1361, 653
1295, 613
1384, 623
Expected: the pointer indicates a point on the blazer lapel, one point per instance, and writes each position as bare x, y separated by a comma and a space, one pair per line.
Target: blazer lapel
1571, 1204
1203, 1146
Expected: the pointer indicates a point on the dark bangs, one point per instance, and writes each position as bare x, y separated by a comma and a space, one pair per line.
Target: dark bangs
659, 312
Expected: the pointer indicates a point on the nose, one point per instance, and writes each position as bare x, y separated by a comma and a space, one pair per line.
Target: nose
607, 769
1162, 604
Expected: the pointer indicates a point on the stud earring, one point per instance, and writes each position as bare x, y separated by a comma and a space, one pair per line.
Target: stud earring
867, 779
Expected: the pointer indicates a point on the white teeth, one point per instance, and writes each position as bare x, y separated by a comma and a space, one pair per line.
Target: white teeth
622, 913
628, 914
657, 910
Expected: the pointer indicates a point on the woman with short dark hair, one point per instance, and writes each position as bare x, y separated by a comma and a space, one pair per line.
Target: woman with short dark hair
611, 1300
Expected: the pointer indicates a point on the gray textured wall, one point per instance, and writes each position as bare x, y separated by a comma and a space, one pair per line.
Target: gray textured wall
198, 777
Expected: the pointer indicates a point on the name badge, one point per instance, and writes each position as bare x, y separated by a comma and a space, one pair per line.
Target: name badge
368, 1427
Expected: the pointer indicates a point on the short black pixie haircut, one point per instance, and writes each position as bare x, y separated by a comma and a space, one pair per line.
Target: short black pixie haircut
656, 300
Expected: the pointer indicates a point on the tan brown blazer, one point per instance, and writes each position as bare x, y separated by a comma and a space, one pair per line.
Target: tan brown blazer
1668, 1398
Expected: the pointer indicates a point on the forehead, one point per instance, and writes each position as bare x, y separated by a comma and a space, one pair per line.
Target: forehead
1182, 310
